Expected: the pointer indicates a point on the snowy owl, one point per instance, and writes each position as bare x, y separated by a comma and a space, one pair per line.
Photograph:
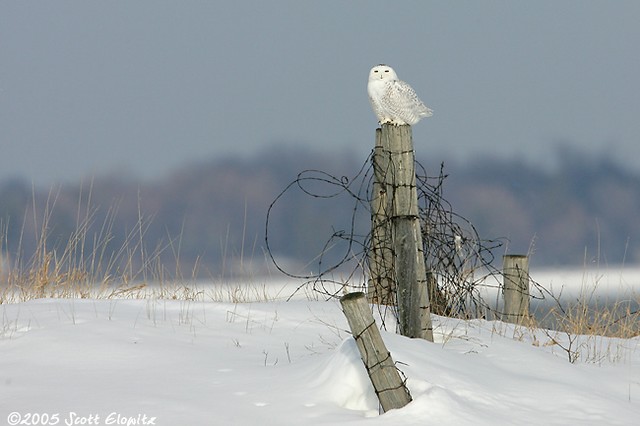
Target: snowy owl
393, 100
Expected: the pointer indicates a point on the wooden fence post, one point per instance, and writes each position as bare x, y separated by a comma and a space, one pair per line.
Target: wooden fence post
515, 273
414, 310
381, 288
390, 389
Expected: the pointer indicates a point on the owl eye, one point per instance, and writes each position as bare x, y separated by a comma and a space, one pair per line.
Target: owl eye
375, 70
386, 70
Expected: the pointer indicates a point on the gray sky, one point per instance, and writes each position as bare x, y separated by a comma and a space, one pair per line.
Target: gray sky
89, 87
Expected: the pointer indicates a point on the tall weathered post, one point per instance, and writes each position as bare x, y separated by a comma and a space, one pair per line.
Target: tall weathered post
382, 287
515, 273
414, 311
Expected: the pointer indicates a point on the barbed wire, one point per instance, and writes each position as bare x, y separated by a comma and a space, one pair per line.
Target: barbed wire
356, 188
456, 258
460, 265
459, 259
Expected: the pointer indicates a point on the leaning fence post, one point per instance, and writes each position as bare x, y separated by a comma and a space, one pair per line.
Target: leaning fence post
515, 272
390, 389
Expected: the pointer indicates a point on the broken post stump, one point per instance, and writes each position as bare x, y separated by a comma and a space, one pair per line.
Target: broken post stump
515, 273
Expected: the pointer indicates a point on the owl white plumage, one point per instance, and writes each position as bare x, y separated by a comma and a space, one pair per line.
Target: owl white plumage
393, 100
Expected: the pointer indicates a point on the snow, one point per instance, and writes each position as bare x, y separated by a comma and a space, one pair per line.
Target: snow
278, 362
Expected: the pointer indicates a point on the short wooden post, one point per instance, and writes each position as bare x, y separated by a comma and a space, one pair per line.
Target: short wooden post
414, 310
390, 389
382, 288
515, 273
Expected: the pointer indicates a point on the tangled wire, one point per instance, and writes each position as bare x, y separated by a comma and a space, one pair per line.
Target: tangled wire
454, 252
457, 260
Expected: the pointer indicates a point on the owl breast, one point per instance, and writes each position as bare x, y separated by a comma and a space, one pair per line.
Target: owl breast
393, 100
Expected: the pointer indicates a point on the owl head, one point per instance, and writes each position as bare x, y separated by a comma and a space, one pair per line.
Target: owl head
382, 72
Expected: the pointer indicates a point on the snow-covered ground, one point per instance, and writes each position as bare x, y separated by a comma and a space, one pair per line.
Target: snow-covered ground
277, 362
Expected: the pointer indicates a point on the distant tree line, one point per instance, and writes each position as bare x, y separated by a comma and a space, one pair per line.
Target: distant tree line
208, 219
581, 212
